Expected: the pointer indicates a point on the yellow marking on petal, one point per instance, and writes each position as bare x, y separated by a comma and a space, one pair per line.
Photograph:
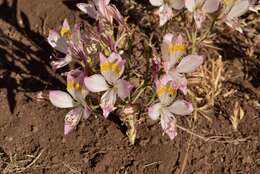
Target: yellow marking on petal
172, 48
229, 2
108, 66
64, 31
166, 89
77, 86
73, 85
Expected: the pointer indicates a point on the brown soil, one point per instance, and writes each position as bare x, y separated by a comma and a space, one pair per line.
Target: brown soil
31, 127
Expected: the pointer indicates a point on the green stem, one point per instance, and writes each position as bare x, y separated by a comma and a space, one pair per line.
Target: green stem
139, 94
151, 99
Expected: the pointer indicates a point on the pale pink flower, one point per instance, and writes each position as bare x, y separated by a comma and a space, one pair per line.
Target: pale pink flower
109, 80
166, 108
173, 49
165, 8
68, 42
75, 100
232, 11
59, 42
200, 8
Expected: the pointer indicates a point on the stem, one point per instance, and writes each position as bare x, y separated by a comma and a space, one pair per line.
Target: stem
194, 39
192, 133
151, 99
209, 30
139, 94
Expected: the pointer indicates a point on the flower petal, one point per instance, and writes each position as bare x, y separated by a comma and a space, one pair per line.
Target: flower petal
75, 85
61, 99
211, 6
166, 115
76, 39
239, 8
104, 10
171, 130
61, 62
106, 2
168, 38
96, 83
89, 9
154, 111
190, 5
199, 17
189, 63
181, 107
108, 101
172, 49
177, 4
114, 57
234, 24
165, 13
72, 119
117, 16
86, 112
165, 90
124, 88
179, 82
65, 29
53, 37
102, 58
112, 67
57, 42
156, 2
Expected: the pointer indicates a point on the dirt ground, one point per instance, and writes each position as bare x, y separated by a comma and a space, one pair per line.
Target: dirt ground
31, 131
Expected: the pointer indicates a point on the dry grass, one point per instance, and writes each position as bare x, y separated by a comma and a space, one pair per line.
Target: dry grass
206, 84
237, 115
15, 165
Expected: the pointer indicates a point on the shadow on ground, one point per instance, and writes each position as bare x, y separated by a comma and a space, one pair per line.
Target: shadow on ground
24, 53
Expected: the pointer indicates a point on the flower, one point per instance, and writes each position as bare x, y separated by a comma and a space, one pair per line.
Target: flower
173, 49
199, 8
165, 10
166, 108
59, 42
68, 42
232, 10
75, 100
109, 80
